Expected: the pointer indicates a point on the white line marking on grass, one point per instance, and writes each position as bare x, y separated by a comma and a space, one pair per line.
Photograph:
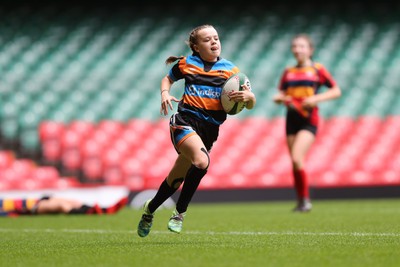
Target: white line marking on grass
104, 231
300, 233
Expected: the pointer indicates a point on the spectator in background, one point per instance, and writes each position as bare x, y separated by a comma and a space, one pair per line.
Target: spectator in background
299, 92
54, 205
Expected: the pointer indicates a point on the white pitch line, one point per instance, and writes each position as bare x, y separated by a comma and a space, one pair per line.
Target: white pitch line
245, 233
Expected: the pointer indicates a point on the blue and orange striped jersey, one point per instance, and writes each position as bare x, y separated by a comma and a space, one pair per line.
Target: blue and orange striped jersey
203, 86
302, 82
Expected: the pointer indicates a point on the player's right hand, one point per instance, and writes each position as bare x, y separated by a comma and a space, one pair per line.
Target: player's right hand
166, 101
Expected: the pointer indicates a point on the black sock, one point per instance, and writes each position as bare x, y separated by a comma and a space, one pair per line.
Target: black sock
192, 181
163, 193
82, 210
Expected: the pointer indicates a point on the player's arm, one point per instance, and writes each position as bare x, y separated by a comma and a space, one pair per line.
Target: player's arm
333, 92
330, 94
281, 98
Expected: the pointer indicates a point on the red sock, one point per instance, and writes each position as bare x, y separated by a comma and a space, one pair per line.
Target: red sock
95, 209
117, 206
301, 184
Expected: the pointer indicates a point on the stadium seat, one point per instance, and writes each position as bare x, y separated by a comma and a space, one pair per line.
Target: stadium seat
24, 168
92, 169
6, 159
111, 128
48, 176
51, 152
82, 128
134, 174
71, 160
50, 134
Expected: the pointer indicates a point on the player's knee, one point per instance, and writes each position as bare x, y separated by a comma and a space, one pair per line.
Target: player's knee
203, 165
202, 161
65, 208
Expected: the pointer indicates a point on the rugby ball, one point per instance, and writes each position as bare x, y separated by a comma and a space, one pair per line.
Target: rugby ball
232, 84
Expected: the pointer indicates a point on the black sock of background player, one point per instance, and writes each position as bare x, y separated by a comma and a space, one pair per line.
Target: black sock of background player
82, 210
163, 193
189, 187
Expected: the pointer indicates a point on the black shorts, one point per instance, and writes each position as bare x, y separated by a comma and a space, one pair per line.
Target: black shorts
183, 125
295, 122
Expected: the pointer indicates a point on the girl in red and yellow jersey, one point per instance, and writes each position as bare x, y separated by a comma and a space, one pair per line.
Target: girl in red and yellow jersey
54, 205
299, 92
194, 128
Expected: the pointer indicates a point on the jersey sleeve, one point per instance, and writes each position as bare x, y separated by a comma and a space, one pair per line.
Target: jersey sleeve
175, 73
325, 77
282, 81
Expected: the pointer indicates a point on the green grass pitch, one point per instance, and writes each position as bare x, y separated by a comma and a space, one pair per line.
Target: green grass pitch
336, 233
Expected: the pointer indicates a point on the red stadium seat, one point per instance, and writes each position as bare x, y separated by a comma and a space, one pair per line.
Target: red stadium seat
31, 184
121, 146
267, 179
82, 128
46, 174
51, 130
51, 134
394, 163
90, 148
92, 169
112, 173
113, 176
51, 150
71, 161
133, 172
390, 177
139, 126
234, 180
24, 168
326, 179
102, 138
5, 186
360, 178
209, 182
6, 159
131, 137
9, 178
136, 183
67, 182
112, 158
71, 140
110, 127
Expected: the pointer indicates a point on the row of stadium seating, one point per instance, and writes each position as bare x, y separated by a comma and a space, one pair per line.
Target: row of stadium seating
139, 154
26, 174
114, 151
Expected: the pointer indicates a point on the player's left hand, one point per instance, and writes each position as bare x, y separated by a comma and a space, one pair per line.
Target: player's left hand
242, 96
